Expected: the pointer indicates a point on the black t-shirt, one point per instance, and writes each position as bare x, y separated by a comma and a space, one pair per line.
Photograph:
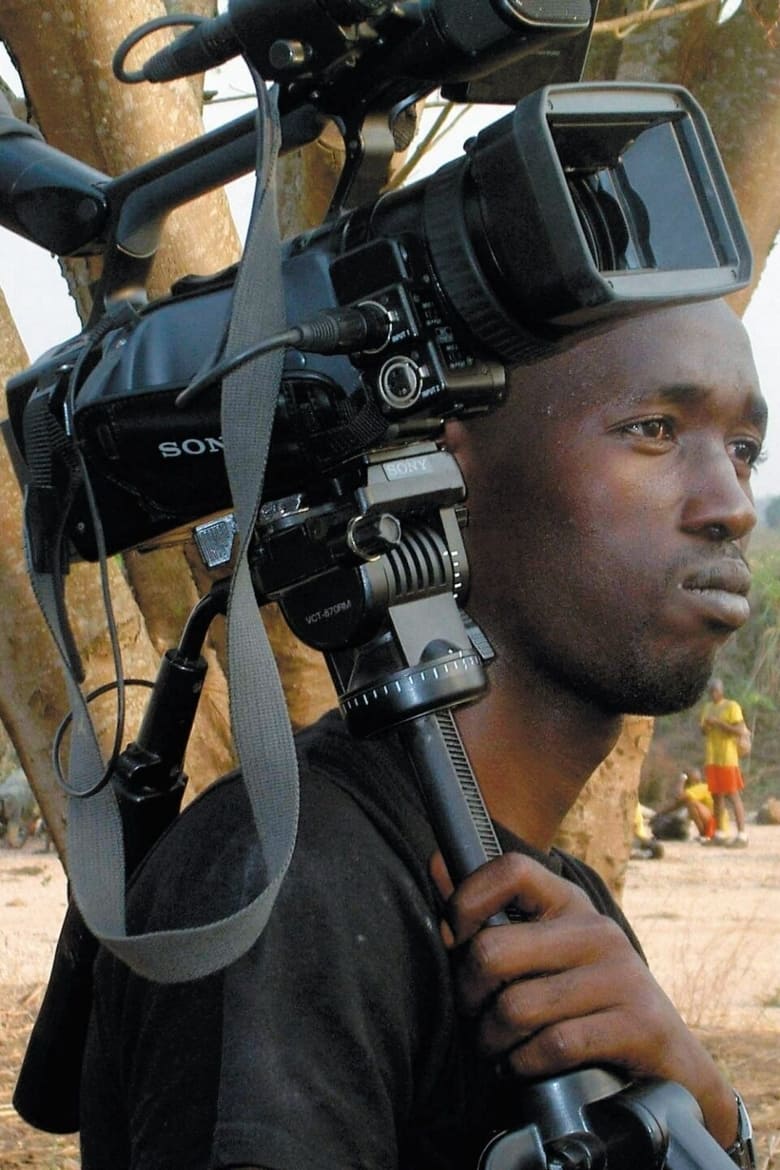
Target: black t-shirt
334, 1043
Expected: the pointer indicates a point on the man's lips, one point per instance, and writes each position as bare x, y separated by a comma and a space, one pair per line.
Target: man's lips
720, 590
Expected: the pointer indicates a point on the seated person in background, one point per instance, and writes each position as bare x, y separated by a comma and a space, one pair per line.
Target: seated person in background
645, 846
693, 795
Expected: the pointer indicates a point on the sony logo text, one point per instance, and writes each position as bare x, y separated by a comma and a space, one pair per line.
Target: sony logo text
192, 446
417, 465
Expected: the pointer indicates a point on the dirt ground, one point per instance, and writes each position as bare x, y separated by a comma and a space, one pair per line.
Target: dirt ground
709, 920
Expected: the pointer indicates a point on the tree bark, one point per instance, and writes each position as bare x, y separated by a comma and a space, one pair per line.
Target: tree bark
32, 690
598, 827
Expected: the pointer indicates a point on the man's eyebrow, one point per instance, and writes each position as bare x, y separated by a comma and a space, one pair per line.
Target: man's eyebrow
687, 393
682, 392
759, 415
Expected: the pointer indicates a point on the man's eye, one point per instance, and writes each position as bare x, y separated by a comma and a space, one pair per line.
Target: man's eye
656, 429
747, 452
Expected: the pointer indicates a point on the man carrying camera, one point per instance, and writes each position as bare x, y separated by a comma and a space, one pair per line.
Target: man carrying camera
378, 1023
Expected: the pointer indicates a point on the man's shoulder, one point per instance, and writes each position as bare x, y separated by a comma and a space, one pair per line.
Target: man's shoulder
329, 759
360, 794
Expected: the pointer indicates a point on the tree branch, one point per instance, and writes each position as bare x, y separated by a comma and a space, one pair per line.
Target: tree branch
622, 24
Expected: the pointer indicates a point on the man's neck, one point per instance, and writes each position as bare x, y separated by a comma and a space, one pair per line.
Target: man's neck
532, 754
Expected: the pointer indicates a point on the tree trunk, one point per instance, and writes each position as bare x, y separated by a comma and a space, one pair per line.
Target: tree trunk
598, 827
32, 691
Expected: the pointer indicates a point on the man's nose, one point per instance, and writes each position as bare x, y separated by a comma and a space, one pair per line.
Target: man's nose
720, 503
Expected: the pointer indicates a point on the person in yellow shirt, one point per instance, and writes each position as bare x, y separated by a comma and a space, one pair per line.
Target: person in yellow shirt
695, 797
692, 797
722, 724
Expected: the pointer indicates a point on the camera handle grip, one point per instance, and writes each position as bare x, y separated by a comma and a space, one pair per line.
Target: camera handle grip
460, 819
589, 1119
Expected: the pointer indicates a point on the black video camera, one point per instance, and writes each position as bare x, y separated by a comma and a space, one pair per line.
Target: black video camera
583, 204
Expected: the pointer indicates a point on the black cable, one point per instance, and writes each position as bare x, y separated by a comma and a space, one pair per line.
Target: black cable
100, 543
227, 365
139, 34
365, 326
66, 722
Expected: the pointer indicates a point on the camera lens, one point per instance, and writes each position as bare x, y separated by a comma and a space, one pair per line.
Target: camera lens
602, 221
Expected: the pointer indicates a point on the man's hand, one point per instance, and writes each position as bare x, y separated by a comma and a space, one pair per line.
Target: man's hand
722, 725
566, 988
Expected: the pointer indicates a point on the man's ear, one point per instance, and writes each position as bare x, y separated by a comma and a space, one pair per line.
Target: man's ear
456, 440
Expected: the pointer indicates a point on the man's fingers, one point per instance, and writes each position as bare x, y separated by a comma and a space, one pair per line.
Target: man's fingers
512, 879
526, 1007
441, 876
611, 1037
569, 1044
500, 956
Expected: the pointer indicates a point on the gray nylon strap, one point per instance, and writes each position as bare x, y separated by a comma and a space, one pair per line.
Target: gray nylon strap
261, 726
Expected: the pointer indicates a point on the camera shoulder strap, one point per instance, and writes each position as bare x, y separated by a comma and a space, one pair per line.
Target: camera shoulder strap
261, 725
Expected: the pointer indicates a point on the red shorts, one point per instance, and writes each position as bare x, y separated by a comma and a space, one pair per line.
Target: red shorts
722, 779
